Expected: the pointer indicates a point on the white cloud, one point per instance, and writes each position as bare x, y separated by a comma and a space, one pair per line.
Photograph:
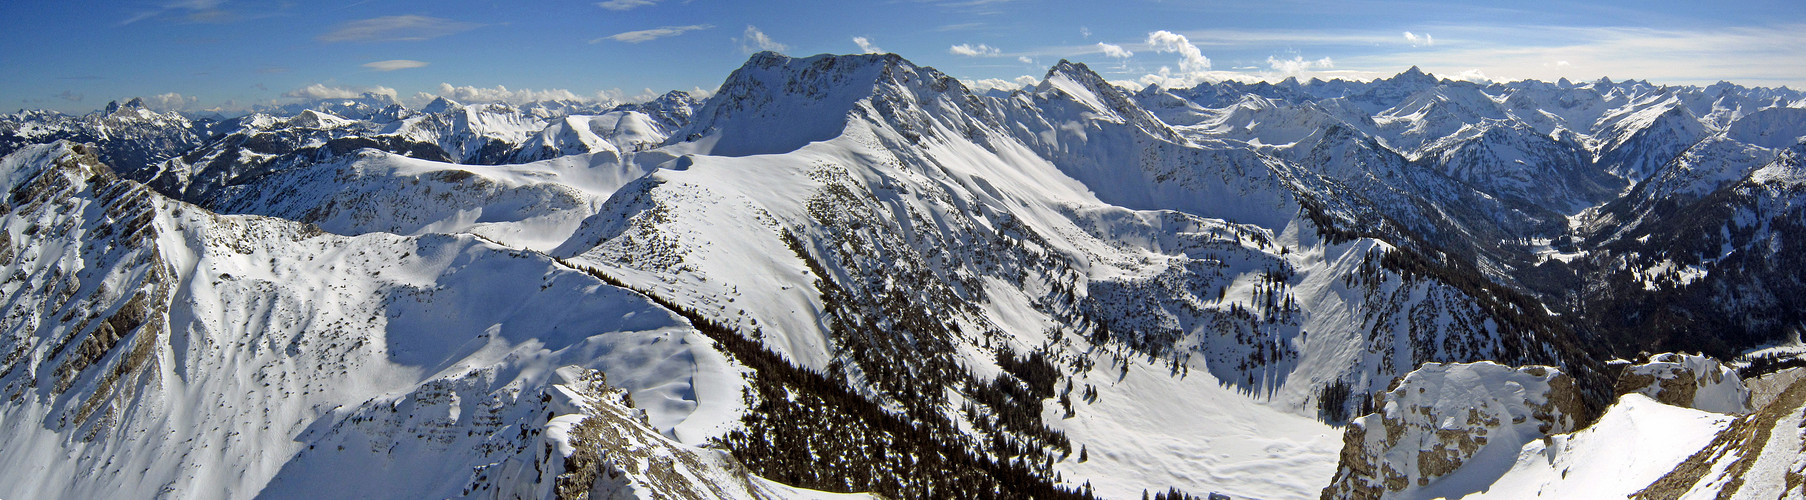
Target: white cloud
198, 11
638, 36
503, 94
170, 102
321, 91
1472, 75
969, 50
1084, 32
625, 4
866, 46
1193, 66
1766, 55
1425, 40
1025, 60
396, 28
989, 84
1115, 51
1191, 60
754, 40
1297, 65
395, 64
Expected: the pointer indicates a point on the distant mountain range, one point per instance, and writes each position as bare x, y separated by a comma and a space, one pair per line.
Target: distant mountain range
853, 274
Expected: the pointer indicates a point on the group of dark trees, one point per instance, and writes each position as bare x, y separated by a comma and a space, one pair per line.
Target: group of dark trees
811, 430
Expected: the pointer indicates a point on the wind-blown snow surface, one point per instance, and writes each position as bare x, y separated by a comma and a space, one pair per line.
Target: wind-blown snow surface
843, 266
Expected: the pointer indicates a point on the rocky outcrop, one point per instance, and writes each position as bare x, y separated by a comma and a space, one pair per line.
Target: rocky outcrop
1687, 380
1444, 416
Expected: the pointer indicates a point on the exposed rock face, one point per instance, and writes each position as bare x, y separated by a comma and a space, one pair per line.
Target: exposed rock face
92, 331
1443, 416
610, 451
1687, 380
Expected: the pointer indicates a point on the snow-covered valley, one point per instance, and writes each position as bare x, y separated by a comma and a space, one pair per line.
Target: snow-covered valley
841, 275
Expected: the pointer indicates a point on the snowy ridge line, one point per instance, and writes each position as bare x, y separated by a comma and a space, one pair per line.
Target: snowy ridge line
855, 274
276, 396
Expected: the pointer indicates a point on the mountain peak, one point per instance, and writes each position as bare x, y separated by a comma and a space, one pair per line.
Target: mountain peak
136, 103
1068, 68
440, 105
809, 98
1414, 74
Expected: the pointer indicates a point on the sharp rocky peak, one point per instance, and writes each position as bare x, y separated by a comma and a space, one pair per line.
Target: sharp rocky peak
136, 103
1415, 75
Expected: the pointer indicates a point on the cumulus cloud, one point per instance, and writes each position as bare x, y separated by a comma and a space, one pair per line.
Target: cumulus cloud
989, 84
754, 40
625, 4
395, 64
1472, 75
170, 102
652, 34
969, 50
321, 91
1025, 60
1193, 66
1115, 51
866, 46
396, 28
1297, 65
1416, 41
503, 94
1191, 59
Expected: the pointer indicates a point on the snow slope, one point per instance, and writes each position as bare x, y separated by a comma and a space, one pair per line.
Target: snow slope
175, 351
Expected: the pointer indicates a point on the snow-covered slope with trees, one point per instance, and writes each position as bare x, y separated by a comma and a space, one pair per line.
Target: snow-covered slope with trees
851, 273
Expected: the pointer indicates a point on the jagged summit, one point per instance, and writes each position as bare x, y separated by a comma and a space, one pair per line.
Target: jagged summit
851, 273
132, 105
1415, 75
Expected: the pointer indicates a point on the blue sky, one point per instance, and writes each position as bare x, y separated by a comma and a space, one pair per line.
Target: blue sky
231, 54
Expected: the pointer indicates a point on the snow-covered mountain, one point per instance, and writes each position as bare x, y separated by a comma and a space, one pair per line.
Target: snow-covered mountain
853, 274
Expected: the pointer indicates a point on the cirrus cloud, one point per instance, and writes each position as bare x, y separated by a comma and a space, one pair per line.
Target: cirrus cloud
408, 28
648, 35
395, 64
619, 5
